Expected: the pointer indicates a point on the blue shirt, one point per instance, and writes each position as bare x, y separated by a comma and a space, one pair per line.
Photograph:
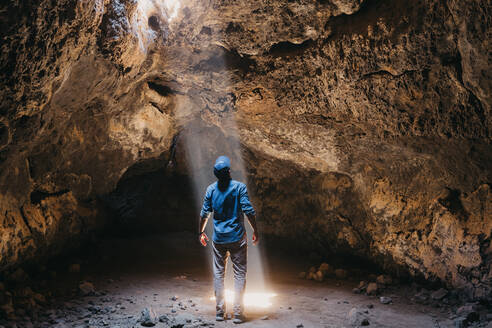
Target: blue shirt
227, 207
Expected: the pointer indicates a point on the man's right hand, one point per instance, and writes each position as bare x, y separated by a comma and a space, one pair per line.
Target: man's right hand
203, 239
255, 238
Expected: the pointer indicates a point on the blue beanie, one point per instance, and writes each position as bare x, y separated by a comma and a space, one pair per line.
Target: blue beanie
222, 162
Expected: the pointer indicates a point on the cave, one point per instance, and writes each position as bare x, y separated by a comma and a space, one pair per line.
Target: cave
362, 130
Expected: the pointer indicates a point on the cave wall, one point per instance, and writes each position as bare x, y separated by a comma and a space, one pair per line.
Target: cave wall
364, 126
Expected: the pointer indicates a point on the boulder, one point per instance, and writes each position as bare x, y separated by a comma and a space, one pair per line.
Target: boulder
341, 273
439, 294
319, 276
86, 288
74, 268
148, 318
385, 300
357, 317
372, 288
326, 269
384, 280
181, 320
18, 276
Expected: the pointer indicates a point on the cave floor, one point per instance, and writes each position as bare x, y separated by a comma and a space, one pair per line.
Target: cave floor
146, 272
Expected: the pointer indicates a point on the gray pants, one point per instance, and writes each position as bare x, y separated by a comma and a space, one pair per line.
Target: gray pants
238, 252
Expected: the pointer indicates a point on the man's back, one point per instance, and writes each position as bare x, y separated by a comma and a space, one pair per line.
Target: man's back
227, 202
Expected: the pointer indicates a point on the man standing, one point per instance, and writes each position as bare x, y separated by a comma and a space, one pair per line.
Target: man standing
228, 200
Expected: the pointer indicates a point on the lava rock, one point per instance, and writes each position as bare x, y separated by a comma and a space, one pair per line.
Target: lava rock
422, 297
86, 288
460, 322
164, 318
326, 269
319, 276
181, 320
18, 276
357, 317
341, 273
372, 288
384, 280
74, 268
439, 294
385, 300
469, 312
148, 318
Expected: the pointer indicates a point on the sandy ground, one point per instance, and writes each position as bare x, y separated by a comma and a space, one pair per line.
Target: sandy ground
147, 272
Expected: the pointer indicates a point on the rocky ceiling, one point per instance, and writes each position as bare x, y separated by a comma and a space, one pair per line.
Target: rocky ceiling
364, 125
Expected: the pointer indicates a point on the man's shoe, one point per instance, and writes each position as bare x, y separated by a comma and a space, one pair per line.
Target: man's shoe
219, 317
239, 318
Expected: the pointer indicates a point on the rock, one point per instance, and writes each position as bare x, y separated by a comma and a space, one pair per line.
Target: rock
182, 319
460, 322
439, 294
7, 310
422, 297
265, 317
300, 325
372, 288
341, 273
39, 298
370, 306
312, 270
319, 276
86, 288
165, 319
469, 312
356, 291
385, 300
326, 269
18, 276
302, 275
357, 317
74, 268
148, 318
384, 280
174, 298
362, 284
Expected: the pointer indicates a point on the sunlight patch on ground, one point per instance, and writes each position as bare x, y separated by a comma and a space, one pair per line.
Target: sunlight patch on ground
254, 299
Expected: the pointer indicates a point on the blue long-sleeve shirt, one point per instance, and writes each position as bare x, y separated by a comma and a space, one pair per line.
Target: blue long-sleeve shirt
227, 207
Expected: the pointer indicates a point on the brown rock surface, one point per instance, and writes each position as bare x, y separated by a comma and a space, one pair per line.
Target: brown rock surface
365, 126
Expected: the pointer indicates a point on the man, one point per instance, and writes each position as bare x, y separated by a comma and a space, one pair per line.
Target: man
228, 200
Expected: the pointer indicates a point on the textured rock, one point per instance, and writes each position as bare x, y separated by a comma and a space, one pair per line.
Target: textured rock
378, 112
372, 288
357, 317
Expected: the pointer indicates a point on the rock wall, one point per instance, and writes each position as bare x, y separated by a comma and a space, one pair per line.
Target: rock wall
364, 126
